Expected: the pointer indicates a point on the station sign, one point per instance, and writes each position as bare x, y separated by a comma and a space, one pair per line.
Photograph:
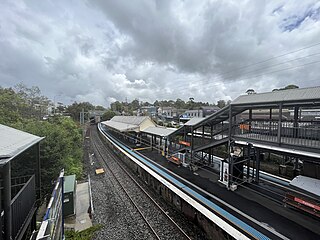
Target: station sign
185, 143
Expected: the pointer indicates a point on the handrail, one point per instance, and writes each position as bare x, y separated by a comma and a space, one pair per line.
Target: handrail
22, 205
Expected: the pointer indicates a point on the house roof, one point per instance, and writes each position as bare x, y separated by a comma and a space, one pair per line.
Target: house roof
209, 108
13, 142
290, 95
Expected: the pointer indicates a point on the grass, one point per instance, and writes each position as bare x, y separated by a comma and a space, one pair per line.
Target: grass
86, 234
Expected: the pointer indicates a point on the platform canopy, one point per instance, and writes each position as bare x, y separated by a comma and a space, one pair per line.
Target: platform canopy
13, 142
194, 121
310, 95
122, 127
129, 123
308, 184
159, 131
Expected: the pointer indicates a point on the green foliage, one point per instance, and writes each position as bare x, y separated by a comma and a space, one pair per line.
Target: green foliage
135, 105
290, 86
62, 146
117, 106
221, 103
108, 115
75, 109
86, 234
10, 100
100, 108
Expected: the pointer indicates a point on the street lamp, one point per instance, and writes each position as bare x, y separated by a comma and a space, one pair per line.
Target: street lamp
54, 103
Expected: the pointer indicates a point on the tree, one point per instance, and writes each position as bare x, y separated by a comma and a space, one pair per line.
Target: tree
75, 109
117, 106
290, 86
62, 146
180, 104
156, 103
99, 108
221, 103
135, 104
11, 106
108, 115
250, 91
190, 103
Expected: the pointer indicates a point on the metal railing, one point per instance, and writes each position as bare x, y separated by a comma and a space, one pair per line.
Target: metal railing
22, 205
52, 224
302, 133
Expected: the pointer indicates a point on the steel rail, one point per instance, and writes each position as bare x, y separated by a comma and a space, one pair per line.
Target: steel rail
142, 189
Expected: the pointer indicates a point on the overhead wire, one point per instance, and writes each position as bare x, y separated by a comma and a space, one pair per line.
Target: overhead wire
182, 87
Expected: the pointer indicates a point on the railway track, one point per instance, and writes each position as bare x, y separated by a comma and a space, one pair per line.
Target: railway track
158, 221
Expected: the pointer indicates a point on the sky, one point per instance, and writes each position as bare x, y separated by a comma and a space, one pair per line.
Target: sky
102, 51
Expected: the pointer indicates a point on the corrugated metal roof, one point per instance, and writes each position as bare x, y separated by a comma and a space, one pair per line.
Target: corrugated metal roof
68, 184
13, 142
308, 184
299, 94
194, 121
122, 127
134, 120
160, 131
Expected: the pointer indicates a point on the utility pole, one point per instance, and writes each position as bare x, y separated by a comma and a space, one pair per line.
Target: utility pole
82, 120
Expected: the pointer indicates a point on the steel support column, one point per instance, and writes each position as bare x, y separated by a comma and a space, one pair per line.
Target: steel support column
202, 134
295, 121
38, 170
246, 151
1, 237
191, 147
230, 160
257, 165
7, 200
270, 120
250, 119
166, 147
279, 124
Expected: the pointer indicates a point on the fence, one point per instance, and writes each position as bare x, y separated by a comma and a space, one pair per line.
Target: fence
52, 224
302, 134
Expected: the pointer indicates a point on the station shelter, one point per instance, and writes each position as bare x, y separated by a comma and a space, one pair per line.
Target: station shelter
20, 181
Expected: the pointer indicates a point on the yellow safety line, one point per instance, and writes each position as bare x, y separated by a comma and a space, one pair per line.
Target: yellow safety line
138, 149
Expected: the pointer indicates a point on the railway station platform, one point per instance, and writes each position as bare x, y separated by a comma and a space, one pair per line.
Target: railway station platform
287, 221
81, 220
268, 213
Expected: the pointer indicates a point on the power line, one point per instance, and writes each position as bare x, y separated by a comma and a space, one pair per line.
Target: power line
271, 66
281, 55
255, 76
266, 60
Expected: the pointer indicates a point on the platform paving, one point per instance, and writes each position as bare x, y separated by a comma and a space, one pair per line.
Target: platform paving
81, 220
288, 222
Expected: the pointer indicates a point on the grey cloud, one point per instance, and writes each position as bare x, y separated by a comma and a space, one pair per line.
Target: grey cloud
102, 51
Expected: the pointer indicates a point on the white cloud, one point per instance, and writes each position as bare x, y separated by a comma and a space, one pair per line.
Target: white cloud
102, 51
